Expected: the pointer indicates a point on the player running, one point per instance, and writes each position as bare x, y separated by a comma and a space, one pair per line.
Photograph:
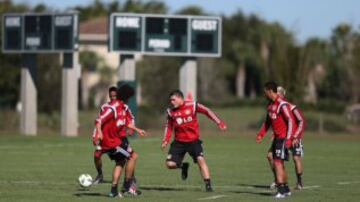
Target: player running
182, 119
280, 118
108, 125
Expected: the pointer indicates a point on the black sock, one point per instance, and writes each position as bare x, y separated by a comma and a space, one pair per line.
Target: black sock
299, 179
99, 171
114, 188
127, 184
287, 189
207, 181
281, 188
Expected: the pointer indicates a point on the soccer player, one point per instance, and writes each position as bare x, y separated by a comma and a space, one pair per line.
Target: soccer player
182, 119
108, 125
280, 118
124, 93
297, 148
98, 152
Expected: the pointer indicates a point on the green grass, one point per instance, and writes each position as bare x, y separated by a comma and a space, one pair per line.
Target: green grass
45, 168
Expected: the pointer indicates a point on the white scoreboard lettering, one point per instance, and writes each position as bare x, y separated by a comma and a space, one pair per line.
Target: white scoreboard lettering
204, 25
33, 41
63, 21
128, 22
12, 22
159, 43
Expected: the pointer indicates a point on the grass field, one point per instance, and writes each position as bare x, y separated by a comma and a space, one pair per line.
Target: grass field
46, 168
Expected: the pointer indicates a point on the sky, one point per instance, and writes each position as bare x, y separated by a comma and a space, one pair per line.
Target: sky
305, 18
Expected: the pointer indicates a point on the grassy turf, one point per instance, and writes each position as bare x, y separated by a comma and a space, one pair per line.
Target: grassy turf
46, 169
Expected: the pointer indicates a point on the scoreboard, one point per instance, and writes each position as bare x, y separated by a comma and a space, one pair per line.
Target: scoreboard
172, 35
36, 33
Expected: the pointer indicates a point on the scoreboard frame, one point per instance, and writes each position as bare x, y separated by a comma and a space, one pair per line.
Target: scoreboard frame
143, 50
75, 37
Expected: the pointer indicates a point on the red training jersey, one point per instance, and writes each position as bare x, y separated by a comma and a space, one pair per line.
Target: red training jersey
111, 123
280, 118
183, 121
299, 120
126, 118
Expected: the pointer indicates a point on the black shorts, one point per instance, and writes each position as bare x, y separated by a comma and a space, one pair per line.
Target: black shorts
298, 149
278, 149
178, 150
121, 153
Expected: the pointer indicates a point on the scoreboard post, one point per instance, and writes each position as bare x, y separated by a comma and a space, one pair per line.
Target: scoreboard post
28, 95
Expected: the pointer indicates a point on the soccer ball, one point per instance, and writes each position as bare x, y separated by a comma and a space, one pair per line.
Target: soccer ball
85, 180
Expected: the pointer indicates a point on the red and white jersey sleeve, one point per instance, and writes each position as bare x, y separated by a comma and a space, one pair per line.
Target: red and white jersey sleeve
300, 121
285, 111
210, 114
130, 119
264, 128
168, 128
106, 114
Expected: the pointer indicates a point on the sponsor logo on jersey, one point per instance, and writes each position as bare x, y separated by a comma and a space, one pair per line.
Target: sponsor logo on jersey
272, 115
179, 120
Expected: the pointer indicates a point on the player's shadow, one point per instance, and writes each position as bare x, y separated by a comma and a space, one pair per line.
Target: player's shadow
254, 186
158, 188
253, 192
106, 182
89, 194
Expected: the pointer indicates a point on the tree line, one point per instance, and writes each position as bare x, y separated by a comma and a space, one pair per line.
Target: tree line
254, 51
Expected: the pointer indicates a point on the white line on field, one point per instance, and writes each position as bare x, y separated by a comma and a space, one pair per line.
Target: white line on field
346, 183
212, 197
311, 187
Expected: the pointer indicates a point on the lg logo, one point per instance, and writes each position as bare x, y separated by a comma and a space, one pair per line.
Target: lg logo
182, 120
120, 122
272, 115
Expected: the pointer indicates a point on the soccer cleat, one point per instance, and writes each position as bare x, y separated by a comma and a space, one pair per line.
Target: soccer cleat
184, 171
208, 188
272, 185
115, 195
287, 193
299, 186
279, 195
132, 192
132, 184
99, 179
